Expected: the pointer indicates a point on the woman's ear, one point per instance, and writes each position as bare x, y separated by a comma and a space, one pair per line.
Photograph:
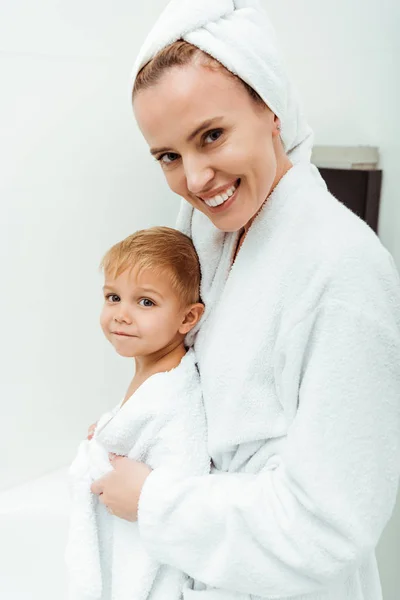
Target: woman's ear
277, 126
192, 316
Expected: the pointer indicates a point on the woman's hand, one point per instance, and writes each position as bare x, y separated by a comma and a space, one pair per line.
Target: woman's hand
91, 431
120, 490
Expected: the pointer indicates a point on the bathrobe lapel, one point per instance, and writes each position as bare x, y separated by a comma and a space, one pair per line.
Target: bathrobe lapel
238, 337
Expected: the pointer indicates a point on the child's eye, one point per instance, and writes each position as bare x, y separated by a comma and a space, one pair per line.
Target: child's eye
213, 136
167, 158
146, 302
113, 298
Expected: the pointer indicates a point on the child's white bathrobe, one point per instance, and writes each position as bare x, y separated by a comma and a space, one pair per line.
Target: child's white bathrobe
299, 357
162, 424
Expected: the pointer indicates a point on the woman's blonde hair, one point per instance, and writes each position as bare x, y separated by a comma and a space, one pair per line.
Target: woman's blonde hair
181, 53
160, 249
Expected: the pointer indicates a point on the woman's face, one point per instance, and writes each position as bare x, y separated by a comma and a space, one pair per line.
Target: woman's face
218, 149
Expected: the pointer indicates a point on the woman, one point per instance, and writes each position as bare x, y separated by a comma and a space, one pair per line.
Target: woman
299, 346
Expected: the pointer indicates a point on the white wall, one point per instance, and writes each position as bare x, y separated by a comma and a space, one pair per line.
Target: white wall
344, 58
75, 177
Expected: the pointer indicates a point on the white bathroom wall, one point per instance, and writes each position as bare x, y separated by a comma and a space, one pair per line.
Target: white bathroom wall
75, 177
344, 57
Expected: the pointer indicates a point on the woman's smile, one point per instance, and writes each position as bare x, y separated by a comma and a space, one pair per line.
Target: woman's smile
223, 199
210, 137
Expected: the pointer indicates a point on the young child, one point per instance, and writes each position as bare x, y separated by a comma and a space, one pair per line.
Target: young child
151, 302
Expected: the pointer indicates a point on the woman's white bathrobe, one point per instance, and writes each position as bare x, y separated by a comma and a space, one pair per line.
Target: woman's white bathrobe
162, 424
299, 356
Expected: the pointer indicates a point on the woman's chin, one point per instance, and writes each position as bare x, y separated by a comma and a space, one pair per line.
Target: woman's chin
230, 223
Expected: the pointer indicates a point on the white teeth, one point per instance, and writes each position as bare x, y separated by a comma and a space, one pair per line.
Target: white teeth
221, 198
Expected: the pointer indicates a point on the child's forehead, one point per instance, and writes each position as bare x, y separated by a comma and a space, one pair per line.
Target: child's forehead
155, 277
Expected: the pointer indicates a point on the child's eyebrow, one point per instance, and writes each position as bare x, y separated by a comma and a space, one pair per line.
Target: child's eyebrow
150, 290
144, 289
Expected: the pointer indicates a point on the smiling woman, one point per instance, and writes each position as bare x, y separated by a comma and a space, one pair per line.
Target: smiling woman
220, 148
300, 330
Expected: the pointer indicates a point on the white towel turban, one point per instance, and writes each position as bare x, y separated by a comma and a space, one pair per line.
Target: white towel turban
240, 36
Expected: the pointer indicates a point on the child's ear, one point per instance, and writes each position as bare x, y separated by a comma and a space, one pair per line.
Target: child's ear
193, 315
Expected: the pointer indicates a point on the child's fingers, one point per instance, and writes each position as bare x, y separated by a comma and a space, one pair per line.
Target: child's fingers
91, 431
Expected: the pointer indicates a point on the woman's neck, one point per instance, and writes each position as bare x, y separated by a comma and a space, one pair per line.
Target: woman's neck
285, 166
281, 170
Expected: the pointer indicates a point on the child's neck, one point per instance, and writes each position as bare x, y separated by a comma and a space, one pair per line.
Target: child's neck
164, 360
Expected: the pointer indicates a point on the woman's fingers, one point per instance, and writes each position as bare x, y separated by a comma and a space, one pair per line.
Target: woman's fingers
97, 487
120, 489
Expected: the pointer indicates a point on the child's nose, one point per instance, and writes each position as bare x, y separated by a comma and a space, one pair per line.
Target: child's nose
122, 315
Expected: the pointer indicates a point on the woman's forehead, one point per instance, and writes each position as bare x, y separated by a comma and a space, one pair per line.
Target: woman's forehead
185, 97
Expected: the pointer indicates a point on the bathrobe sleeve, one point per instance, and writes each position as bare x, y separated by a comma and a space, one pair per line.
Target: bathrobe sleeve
310, 521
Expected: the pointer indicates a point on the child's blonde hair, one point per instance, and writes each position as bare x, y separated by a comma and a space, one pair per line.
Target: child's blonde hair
159, 249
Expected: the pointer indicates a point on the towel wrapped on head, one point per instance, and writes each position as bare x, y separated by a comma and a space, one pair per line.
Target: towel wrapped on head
239, 34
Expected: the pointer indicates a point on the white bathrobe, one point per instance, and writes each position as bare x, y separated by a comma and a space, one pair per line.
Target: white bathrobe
299, 357
162, 424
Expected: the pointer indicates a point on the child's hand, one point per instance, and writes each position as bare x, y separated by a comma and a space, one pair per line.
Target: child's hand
91, 431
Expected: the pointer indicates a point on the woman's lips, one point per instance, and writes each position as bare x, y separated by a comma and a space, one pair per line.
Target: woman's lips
225, 205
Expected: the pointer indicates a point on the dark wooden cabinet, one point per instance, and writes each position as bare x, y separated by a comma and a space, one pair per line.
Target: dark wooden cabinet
359, 190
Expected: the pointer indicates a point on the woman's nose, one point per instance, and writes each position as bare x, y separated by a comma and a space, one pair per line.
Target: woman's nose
198, 176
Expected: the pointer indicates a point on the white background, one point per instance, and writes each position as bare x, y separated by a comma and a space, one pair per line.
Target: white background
75, 177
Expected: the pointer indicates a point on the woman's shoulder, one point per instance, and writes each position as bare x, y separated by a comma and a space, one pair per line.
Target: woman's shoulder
348, 245
333, 255
329, 232
304, 215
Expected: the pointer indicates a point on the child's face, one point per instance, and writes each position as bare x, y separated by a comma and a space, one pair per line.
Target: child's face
141, 314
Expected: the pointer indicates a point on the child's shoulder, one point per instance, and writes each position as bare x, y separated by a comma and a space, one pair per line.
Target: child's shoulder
184, 378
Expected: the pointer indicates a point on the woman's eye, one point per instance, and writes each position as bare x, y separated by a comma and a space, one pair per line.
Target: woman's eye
112, 298
167, 158
146, 302
213, 135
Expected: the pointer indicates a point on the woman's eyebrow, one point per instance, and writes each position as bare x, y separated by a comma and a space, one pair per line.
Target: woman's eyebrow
204, 125
199, 129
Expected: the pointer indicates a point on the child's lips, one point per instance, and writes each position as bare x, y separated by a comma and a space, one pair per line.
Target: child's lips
123, 334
